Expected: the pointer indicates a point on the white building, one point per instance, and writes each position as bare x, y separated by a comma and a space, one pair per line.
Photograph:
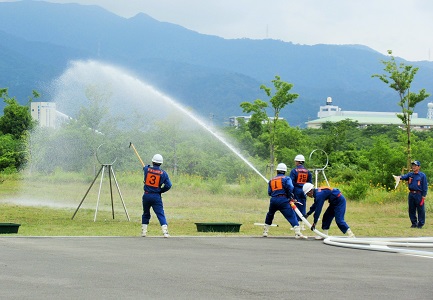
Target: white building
44, 113
47, 115
333, 113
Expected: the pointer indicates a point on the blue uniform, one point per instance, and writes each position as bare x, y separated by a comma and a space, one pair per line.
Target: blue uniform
156, 182
300, 175
336, 208
417, 183
279, 188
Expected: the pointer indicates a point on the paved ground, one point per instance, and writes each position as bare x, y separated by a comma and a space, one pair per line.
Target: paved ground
204, 268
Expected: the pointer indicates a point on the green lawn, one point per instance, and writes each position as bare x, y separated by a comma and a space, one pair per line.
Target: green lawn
45, 208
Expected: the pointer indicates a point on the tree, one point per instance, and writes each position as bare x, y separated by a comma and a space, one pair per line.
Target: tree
384, 159
16, 119
9, 157
399, 78
15, 125
278, 100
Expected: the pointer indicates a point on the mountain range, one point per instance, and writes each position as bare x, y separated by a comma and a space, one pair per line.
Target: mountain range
210, 74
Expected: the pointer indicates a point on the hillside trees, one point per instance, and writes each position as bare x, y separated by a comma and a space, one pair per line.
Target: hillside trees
15, 124
278, 100
399, 77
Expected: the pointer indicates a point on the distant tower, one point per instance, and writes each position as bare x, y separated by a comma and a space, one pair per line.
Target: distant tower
328, 109
430, 111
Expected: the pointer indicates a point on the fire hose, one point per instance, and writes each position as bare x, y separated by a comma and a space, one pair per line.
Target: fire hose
292, 204
375, 244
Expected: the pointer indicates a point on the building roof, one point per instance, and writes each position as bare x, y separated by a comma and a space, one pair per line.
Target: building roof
333, 113
371, 120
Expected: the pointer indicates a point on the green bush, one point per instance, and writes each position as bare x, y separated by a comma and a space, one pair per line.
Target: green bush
215, 186
356, 190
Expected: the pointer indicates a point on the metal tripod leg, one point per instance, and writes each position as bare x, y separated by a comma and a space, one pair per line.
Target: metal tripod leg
110, 171
120, 194
323, 172
99, 193
316, 175
88, 190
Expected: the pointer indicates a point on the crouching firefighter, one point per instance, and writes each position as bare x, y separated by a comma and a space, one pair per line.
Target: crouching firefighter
336, 208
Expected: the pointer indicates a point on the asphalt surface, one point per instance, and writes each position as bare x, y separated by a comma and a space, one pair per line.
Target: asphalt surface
205, 268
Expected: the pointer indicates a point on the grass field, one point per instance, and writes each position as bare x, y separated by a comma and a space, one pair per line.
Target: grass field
44, 206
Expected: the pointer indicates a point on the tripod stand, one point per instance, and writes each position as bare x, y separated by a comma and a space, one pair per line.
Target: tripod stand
320, 157
110, 169
316, 175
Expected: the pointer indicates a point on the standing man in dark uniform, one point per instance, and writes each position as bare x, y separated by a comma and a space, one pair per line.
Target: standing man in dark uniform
156, 182
417, 183
300, 175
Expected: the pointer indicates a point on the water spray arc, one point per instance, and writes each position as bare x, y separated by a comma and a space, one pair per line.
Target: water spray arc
212, 132
82, 72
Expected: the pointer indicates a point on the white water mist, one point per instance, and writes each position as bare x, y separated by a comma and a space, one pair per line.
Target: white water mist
153, 102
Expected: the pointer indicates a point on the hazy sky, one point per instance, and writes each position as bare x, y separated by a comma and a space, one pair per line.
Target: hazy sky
404, 26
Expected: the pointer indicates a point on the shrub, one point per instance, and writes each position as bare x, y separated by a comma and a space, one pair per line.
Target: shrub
356, 190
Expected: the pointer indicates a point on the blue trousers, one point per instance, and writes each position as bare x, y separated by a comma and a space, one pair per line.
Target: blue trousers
414, 201
281, 204
337, 211
302, 199
153, 201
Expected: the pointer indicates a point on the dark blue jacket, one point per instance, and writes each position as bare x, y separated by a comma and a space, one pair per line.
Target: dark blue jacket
322, 194
280, 185
300, 175
417, 182
156, 181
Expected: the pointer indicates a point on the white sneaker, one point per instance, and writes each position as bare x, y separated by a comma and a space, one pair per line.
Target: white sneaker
165, 231
265, 230
143, 230
301, 236
350, 233
302, 226
319, 237
298, 234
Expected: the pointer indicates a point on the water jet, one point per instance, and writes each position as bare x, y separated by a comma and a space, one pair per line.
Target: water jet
122, 84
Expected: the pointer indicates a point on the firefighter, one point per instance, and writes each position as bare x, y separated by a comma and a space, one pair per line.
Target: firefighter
300, 175
156, 182
336, 208
280, 189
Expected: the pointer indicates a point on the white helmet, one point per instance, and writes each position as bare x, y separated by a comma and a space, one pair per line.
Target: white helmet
157, 158
282, 167
307, 187
300, 157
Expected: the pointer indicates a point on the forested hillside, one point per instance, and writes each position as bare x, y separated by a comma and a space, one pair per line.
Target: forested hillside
211, 75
